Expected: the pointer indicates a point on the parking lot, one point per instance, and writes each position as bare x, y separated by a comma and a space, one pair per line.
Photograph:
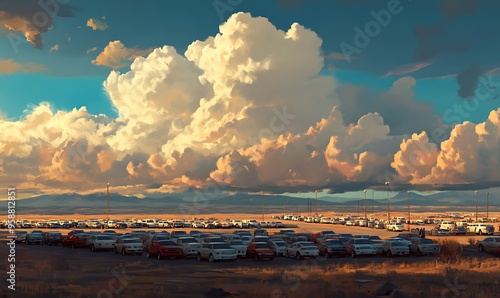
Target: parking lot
41, 269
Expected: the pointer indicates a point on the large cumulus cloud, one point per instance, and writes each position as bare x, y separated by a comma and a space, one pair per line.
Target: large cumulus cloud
248, 109
471, 154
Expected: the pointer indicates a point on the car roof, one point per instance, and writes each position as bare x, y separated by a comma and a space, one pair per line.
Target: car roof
132, 238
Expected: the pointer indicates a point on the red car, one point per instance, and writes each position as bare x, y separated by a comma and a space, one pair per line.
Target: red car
75, 232
75, 240
260, 250
164, 249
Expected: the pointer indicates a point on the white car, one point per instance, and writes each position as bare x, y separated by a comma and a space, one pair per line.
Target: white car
163, 224
419, 222
360, 246
394, 248
241, 248
216, 252
407, 242
101, 242
349, 223
302, 249
447, 225
424, 246
190, 246
326, 220
395, 227
129, 246
279, 246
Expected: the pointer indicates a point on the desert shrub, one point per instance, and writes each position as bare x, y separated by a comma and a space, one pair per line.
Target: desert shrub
472, 241
451, 251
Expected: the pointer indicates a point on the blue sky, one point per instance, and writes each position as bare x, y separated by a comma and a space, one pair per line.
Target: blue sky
425, 65
178, 23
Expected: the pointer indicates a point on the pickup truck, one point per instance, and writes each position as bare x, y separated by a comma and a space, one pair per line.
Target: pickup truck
216, 252
395, 227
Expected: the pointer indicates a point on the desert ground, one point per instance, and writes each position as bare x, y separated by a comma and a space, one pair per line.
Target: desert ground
43, 271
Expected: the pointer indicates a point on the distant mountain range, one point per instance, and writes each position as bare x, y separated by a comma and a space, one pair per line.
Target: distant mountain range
240, 202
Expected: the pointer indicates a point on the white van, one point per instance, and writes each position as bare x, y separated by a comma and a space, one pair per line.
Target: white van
447, 225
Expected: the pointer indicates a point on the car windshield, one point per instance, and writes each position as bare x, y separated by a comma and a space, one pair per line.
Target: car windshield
261, 245
362, 241
261, 239
189, 240
238, 242
180, 233
215, 240
307, 244
131, 241
280, 243
426, 241
220, 246
333, 242
104, 237
374, 238
166, 243
55, 234
398, 244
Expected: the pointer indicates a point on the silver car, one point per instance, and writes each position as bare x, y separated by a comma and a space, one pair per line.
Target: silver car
360, 246
34, 238
129, 246
279, 246
395, 248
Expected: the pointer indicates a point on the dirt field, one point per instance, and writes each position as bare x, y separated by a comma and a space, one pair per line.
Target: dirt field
44, 271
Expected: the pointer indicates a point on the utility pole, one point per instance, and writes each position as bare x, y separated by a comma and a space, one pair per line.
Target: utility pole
262, 202
365, 205
373, 202
388, 203
487, 206
316, 192
107, 203
409, 218
476, 202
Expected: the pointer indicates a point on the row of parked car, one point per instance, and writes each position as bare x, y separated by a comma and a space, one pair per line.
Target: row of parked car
241, 243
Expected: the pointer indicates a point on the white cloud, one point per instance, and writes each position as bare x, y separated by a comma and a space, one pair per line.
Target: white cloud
55, 48
92, 49
471, 154
97, 24
116, 55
